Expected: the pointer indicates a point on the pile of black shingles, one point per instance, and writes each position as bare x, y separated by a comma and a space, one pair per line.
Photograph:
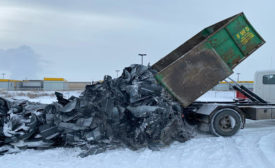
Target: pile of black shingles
130, 111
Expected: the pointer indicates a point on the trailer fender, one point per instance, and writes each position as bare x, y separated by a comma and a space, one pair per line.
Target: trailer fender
242, 116
207, 109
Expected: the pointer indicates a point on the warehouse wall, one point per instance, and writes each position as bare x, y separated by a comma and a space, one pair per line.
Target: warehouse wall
77, 85
222, 87
63, 85
47, 85
227, 86
4, 85
29, 85
55, 86
248, 85
7, 85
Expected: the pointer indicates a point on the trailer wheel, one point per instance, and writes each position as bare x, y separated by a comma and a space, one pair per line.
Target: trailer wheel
225, 122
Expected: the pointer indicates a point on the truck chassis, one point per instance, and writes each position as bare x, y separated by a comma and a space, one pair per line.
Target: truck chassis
226, 118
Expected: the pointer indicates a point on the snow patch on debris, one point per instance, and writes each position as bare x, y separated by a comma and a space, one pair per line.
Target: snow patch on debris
44, 97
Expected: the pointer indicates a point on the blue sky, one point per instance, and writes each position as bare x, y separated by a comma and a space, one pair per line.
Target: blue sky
84, 40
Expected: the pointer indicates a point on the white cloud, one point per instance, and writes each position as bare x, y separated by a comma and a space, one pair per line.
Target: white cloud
20, 63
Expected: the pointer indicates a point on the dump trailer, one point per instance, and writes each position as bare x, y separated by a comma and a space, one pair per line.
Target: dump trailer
202, 62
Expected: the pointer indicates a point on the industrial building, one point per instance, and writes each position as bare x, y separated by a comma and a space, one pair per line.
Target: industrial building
50, 84
47, 84
60, 84
7, 84
77, 85
29, 85
225, 86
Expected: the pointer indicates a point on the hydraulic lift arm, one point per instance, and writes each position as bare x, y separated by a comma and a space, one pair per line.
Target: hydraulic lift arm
249, 94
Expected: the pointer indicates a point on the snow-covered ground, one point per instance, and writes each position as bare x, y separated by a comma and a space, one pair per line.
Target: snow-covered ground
252, 147
218, 96
45, 97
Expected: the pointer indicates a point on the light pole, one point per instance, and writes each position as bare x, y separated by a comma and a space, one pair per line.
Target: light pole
3, 75
142, 55
117, 71
238, 77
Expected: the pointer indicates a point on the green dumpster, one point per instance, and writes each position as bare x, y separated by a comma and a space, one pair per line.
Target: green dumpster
207, 58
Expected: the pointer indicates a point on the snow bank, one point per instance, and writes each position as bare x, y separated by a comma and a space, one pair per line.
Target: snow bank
252, 147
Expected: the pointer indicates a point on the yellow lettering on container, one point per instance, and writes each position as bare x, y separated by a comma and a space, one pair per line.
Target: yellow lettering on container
245, 35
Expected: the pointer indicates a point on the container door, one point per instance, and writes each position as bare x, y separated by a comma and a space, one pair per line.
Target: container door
236, 41
244, 35
226, 48
193, 74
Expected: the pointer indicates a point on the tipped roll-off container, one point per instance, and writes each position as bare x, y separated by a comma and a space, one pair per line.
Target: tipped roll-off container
207, 58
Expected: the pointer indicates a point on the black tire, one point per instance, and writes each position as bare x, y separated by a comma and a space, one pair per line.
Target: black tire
225, 122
